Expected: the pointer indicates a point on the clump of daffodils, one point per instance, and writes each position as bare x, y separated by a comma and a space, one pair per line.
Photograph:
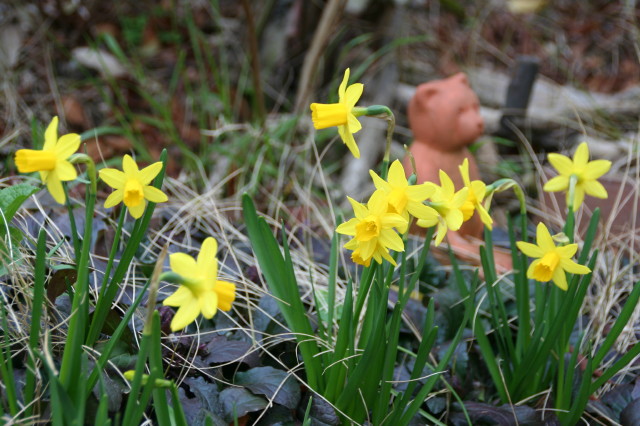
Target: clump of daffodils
394, 205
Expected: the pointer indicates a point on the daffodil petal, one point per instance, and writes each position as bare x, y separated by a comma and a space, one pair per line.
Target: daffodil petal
114, 198
129, 166
392, 220
377, 204
396, 176
446, 183
573, 267
442, 231
560, 279
543, 238
529, 249
595, 189
378, 182
359, 209
113, 177
385, 254
348, 227
353, 123
389, 239
66, 171
454, 219
561, 163
464, 171
55, 187
420, 211
420, 192
181, 296
154, 195
568, 251
147, 174
67, 145
367, 248
185, 315
137, 210
581, 156
352, 244
352, 95
596, 169
343, 85
209, 304
479, 189
558, 183
459, 198
182, 264
51, 135
428, 222
207, 261
485, 217
348, 139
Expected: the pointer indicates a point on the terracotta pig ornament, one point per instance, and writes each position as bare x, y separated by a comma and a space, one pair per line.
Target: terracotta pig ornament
444, 116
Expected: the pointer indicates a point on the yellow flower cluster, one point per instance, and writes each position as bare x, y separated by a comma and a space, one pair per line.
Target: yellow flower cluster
394, 203
201, 291
552, 262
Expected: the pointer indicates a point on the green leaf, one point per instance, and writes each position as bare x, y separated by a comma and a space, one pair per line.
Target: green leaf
280, 277
11, 199
238, 401
277, 385
13, 256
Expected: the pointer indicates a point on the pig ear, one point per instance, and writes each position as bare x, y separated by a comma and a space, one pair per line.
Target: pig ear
424, 92
461, 78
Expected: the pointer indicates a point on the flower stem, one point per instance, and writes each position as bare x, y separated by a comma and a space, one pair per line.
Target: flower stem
153, 290
383, 112
72, 223
112, 253
69, 375
569, 228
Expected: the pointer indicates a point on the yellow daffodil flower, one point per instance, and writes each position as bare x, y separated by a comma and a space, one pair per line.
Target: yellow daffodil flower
405, 199
52, 160
584, 170
201, 291
372, 230
448, 203
475, 196
551, 261
132, 186
341, 114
